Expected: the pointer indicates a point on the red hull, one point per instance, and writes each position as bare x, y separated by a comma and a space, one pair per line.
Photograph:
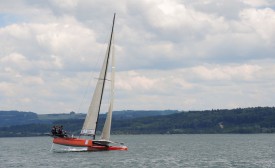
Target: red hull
73, 142
86, 143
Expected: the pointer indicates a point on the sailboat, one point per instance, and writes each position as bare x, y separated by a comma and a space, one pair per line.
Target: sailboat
87, 136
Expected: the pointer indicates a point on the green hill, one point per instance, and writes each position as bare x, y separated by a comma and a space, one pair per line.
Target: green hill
8, 118
246, 120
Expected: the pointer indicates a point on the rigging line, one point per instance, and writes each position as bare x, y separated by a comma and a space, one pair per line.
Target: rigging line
92, 76
84, 94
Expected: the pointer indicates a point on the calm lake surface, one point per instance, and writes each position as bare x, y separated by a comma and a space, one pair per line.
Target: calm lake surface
230, 150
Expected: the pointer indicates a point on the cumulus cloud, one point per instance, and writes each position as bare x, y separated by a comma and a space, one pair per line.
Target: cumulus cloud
196, 87
183, 55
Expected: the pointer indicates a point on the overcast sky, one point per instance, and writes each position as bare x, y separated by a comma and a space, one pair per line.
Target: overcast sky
170, 54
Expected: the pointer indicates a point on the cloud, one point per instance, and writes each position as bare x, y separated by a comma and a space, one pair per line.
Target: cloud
261, 22
256, 3
183, 55
196, 87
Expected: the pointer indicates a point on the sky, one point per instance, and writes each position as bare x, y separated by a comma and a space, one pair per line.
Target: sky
170, 54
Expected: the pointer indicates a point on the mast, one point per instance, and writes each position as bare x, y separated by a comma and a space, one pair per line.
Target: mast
105, 135
91, 120
104, 79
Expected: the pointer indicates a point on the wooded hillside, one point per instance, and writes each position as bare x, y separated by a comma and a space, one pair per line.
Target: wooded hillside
246, 120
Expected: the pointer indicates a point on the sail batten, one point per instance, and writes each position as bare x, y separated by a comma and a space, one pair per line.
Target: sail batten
90, 123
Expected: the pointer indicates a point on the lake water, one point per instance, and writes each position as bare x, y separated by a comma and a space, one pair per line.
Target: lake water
230, 150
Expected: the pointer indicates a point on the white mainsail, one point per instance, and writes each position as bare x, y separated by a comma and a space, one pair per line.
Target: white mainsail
90, 123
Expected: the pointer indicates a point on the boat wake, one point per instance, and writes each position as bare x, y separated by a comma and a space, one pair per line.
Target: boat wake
70, 150
77, 150
62, 149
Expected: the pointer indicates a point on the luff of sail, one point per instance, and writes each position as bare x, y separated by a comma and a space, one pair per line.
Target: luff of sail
90, 123
107, 126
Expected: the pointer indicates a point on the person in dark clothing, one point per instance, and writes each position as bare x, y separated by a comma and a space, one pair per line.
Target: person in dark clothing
58, 131
53, 130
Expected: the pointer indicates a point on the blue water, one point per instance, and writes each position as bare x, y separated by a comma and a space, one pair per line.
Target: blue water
230, 150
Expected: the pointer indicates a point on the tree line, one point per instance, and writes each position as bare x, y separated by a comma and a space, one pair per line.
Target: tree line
240, 120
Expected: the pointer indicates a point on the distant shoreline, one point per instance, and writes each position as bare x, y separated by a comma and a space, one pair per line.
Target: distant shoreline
255, 120
151, 134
